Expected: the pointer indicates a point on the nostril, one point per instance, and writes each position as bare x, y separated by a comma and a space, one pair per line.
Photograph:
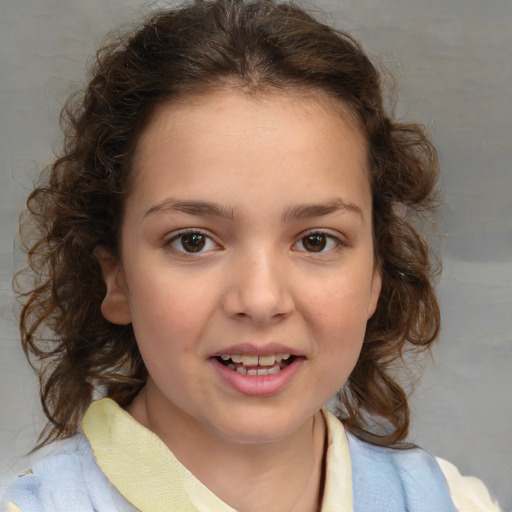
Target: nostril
258, 293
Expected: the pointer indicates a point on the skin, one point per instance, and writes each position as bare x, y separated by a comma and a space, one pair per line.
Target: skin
255, 282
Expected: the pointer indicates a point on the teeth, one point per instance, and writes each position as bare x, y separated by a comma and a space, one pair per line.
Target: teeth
254, 372
249, 360
267, 360
253, 360
263, 371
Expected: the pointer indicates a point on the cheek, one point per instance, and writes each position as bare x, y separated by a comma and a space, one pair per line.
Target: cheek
172, 310
337, 316
336, 304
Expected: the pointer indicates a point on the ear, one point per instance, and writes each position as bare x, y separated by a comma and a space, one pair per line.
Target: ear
375, 288
115, 306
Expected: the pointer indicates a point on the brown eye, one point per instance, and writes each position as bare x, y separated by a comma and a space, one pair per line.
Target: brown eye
194, 242
318, 242
190, 242
315, 243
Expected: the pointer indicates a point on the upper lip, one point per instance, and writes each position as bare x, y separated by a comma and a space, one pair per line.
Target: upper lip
258, 350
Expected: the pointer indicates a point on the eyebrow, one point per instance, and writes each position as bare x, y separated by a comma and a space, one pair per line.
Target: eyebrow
199, 208
297, 212
306, 210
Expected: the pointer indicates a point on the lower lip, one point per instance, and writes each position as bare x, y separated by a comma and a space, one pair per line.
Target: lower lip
258, 385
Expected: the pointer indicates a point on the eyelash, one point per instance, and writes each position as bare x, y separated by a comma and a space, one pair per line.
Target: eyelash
329, 237
177, 236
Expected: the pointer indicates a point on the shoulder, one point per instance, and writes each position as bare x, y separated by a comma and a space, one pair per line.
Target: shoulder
418, 477
53, 481
69, 474
403, 479
468, 493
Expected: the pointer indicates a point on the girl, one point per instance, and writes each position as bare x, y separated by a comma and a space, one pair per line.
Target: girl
227, 241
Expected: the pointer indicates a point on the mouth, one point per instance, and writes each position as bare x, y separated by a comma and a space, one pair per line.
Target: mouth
254, 365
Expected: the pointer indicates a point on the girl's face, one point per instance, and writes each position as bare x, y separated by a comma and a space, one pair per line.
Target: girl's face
247, 266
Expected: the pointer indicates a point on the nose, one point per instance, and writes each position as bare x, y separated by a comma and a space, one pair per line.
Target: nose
259, 289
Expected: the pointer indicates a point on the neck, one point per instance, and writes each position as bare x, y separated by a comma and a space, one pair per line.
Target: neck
284, 475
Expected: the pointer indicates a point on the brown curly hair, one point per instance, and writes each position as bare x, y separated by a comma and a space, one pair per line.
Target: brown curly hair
77, 206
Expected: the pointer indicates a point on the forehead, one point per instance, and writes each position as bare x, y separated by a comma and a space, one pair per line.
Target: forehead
232, 105
228, 139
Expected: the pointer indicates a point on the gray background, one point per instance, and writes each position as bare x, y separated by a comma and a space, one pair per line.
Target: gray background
453, 68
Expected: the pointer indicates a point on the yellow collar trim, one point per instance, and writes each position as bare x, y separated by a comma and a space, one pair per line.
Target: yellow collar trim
144, 470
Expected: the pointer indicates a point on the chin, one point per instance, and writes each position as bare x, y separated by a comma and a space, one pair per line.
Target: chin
258, 428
